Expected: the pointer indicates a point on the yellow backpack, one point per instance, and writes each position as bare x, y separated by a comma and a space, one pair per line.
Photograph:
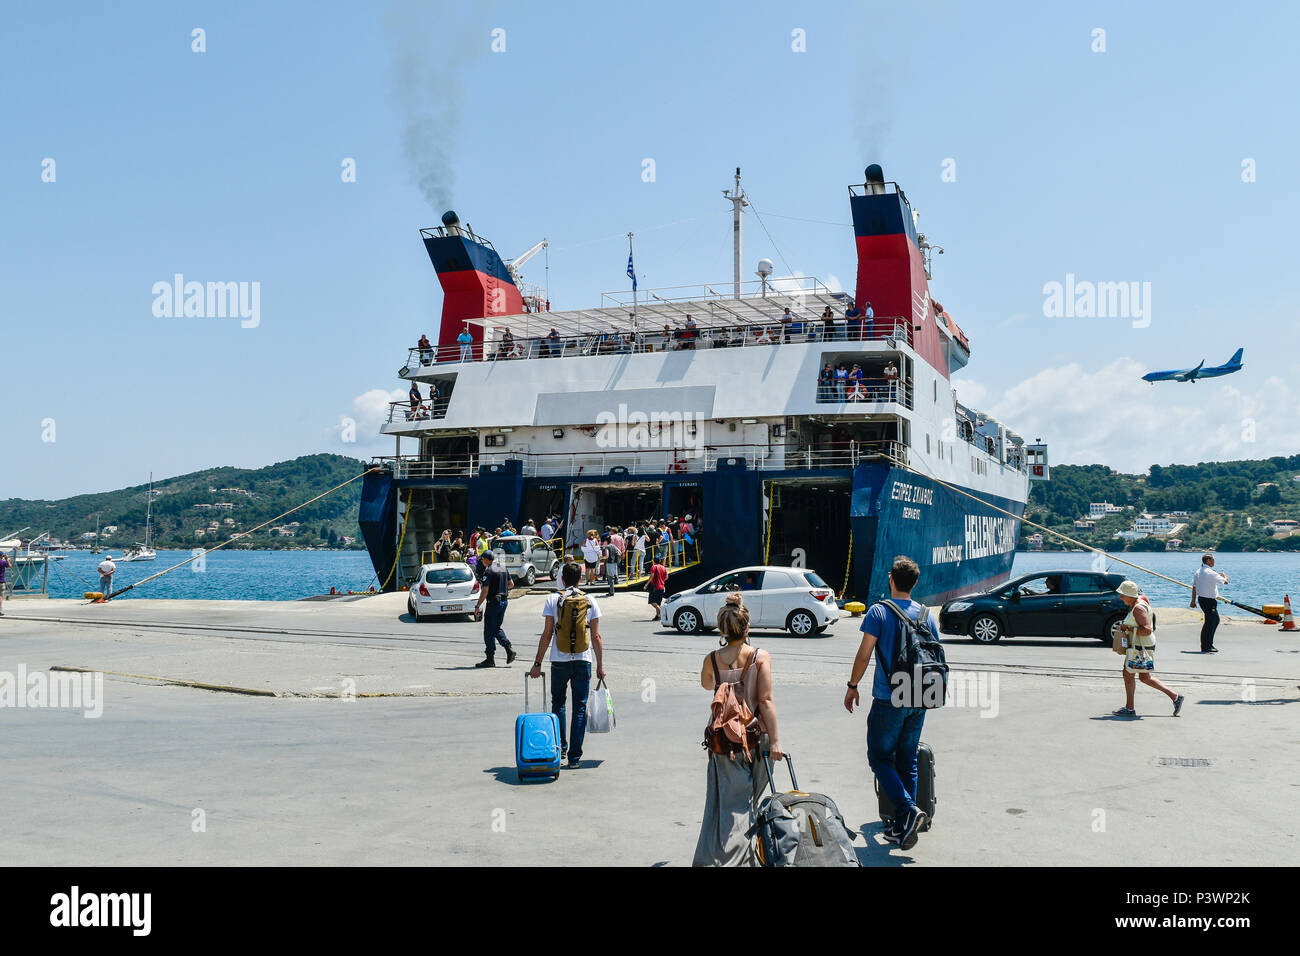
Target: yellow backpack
571, 622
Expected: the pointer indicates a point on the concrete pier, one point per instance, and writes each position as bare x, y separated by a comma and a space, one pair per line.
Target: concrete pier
347, 733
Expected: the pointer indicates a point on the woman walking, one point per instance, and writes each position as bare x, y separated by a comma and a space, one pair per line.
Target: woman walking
736, 782
1139, 654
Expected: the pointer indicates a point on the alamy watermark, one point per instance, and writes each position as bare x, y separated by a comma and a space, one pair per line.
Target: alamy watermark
67, 690
1083, 299
680, 431
208, 300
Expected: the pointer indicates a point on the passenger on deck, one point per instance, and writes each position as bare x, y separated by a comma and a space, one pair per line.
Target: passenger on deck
841, 382
826, 383
891, 380
466, 342
787, 324
853, 323
828, 324
506, 345
553, 345
868, 321
426, 350
690, 334
416, 399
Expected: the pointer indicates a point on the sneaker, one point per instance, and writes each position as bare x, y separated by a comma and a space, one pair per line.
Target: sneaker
564, 753
1212, 650
573, 763
909, 830
486, 662
1125, 712
510, 655
1178, 704
890, 834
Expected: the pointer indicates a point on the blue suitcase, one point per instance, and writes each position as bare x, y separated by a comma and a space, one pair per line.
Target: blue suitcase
537, 741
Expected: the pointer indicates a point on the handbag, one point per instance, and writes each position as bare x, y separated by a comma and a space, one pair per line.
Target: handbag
600, 709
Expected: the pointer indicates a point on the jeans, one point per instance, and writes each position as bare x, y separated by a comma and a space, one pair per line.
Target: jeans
611, 576
106, 584
893, 735
638, 564
579, 674
1210, 608
494, 616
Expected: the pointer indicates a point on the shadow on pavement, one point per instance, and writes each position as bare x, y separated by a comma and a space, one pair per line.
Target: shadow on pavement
876, 852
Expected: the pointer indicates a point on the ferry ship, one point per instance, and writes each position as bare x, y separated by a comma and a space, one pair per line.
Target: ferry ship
690, 400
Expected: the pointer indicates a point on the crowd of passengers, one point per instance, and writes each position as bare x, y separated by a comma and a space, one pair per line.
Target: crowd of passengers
857, 325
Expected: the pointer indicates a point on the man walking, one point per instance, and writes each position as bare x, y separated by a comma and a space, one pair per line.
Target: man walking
1205, 592
106, 571
656, 585
4, 567
495, 592
893, 732
576, 634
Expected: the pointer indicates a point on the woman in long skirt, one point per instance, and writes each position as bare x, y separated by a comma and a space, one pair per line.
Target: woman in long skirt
735, 784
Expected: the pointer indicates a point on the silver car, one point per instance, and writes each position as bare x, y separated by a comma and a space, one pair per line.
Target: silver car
526, 557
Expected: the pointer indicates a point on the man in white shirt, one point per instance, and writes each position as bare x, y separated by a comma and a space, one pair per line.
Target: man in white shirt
106, 570
1205, 592
572, 666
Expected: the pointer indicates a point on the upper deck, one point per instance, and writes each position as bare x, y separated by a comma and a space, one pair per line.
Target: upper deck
663, 320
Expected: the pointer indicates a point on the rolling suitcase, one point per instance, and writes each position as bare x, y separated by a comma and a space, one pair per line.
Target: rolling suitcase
800, 829
537, 741
925, 797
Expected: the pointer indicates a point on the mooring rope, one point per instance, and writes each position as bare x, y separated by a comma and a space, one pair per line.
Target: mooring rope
237, 536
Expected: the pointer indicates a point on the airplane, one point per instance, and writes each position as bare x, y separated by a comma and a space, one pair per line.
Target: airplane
1192, 374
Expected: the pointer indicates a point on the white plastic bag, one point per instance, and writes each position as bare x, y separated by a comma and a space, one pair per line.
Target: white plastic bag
600, 710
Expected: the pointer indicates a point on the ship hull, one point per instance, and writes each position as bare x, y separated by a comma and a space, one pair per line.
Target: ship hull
848, 525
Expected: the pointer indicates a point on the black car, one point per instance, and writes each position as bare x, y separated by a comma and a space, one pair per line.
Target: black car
1044, 604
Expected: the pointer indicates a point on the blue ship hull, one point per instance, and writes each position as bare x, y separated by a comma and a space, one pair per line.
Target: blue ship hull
848, 525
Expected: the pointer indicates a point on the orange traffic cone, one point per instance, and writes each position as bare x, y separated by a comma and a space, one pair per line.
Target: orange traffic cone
1288, 622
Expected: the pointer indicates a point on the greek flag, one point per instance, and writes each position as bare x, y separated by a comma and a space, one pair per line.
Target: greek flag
631, 273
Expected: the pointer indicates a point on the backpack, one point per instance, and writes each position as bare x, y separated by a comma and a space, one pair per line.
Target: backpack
919, 664
731, 728
571, 623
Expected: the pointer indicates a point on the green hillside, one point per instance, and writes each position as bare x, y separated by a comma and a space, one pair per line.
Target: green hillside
261, 494
1229, 503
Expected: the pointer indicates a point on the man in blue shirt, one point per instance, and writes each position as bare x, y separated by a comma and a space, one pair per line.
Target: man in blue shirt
893, 732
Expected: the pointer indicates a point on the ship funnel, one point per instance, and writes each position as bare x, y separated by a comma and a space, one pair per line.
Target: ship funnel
875, 179
451, 221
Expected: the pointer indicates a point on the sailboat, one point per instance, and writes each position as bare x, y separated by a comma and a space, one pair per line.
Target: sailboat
143, 552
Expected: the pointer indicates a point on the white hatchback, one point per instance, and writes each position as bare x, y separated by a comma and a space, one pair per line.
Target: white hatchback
778, 598
445, 588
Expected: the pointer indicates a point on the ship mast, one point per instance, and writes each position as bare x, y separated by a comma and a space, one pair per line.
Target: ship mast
737, 199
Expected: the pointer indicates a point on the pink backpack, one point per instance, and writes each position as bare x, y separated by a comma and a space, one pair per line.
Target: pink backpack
731, 728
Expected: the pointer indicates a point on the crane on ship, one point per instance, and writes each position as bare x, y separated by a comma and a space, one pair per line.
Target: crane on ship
536, 298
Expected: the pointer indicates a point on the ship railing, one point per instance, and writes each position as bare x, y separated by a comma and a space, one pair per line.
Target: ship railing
409, 466
425, 411
845, 454
803, 330
879, 391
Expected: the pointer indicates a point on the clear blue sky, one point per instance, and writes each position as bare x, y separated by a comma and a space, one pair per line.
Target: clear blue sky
225, 166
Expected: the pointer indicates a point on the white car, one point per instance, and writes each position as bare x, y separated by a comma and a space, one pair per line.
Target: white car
779, 598
445, 588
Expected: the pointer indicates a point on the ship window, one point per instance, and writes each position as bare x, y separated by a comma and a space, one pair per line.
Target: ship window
936, 389
927, 444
